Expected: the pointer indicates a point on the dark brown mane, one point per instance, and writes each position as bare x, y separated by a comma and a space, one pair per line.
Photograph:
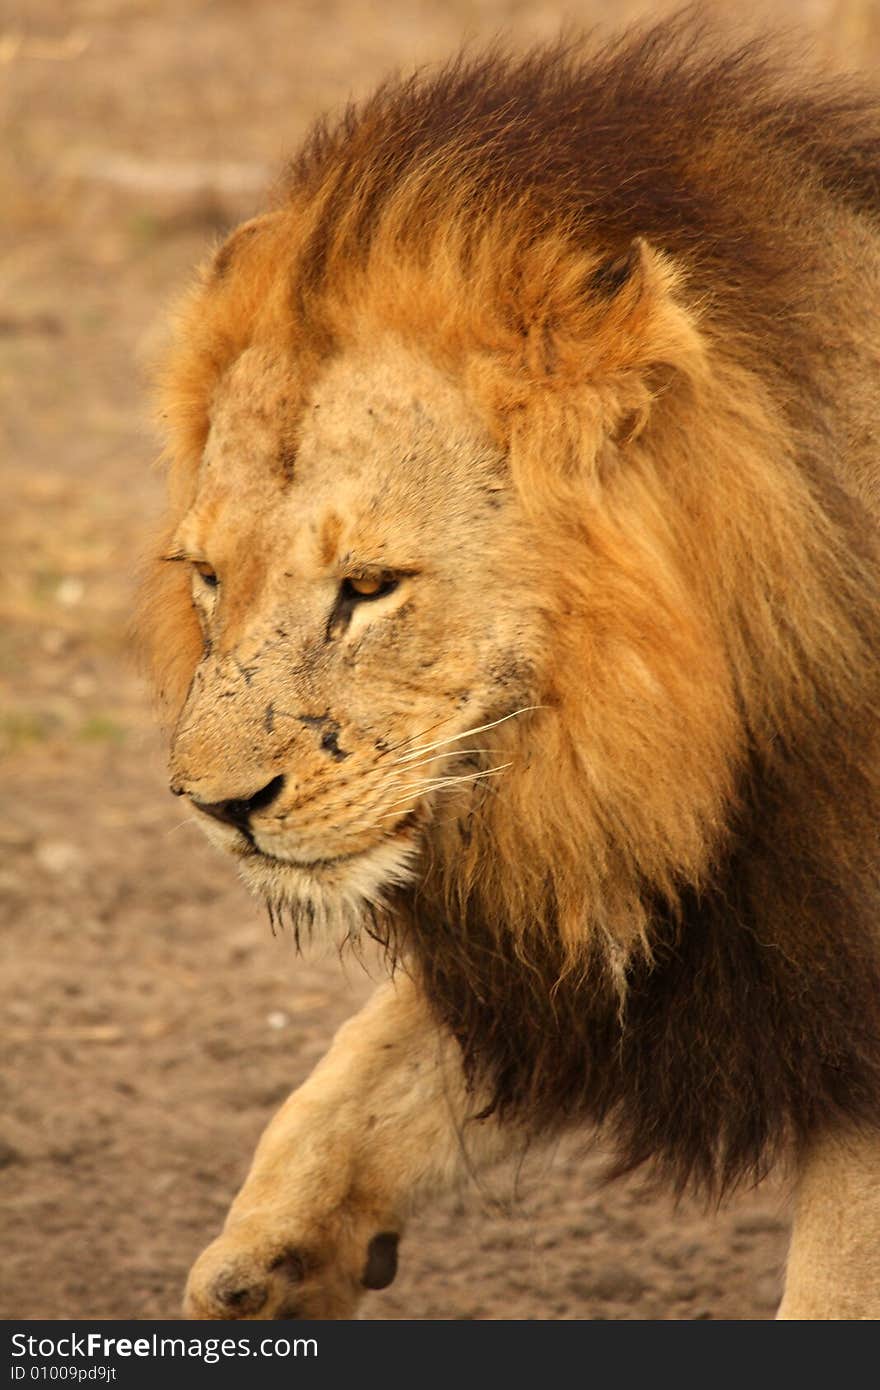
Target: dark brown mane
755, 1024
713, 154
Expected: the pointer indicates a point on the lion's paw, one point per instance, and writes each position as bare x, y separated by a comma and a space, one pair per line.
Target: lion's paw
241, 1276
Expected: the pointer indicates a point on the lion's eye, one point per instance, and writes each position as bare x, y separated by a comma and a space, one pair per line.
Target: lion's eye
355, 590
369, 587
206, 574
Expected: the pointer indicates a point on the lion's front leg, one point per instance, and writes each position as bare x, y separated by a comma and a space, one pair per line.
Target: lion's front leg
834, 1263
377, 1125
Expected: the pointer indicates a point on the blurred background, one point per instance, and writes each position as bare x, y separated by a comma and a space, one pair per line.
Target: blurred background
150, 1022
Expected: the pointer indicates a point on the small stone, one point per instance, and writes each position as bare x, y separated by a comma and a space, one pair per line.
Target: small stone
70, 591
58, 856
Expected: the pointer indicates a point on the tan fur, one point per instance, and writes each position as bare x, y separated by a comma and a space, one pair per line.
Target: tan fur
628, 511
834, 1262
380, 1127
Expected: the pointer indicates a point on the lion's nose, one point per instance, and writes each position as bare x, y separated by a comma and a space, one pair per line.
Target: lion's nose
238, 810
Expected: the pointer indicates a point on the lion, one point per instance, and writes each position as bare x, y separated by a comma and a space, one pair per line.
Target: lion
518, 604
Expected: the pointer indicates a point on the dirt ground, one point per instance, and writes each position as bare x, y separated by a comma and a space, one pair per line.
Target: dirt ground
150, 1021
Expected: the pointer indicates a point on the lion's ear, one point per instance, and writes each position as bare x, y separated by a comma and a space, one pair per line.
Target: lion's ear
213, 324
631, 319
593, 334
239, 244
622, 278
607, 341
627, 339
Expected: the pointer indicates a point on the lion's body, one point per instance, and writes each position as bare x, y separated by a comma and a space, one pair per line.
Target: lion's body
574, 363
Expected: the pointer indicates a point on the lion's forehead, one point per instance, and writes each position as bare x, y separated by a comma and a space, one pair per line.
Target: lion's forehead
254, 409
388, 417
376, 460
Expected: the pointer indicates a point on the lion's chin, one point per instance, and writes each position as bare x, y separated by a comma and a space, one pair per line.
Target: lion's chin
329, 897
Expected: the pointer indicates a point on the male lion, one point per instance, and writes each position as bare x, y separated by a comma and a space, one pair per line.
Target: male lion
524, 610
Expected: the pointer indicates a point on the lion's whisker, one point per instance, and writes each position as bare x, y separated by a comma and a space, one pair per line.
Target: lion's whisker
449, 753
188, 820
455, 778
391, 782
479, 729
441, 783
402, 743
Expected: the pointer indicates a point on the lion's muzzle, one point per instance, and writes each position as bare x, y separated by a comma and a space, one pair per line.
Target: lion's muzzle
237, 811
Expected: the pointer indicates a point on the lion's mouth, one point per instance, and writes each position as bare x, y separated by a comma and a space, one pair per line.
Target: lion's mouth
400, 830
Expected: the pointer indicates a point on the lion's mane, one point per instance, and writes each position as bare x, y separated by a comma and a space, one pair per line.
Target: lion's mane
667, 918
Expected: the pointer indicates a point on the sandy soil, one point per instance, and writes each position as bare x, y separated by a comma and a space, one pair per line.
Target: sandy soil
151, 1023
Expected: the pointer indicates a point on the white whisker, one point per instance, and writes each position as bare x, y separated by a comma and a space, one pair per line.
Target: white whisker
465, 733
180, 824
391, 781
402, 743
461, 777
428, 786
448, 753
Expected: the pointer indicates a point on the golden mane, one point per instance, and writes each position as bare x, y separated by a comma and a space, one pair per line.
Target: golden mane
653, 246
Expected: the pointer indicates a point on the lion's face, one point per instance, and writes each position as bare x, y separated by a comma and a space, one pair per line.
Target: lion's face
336, 554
